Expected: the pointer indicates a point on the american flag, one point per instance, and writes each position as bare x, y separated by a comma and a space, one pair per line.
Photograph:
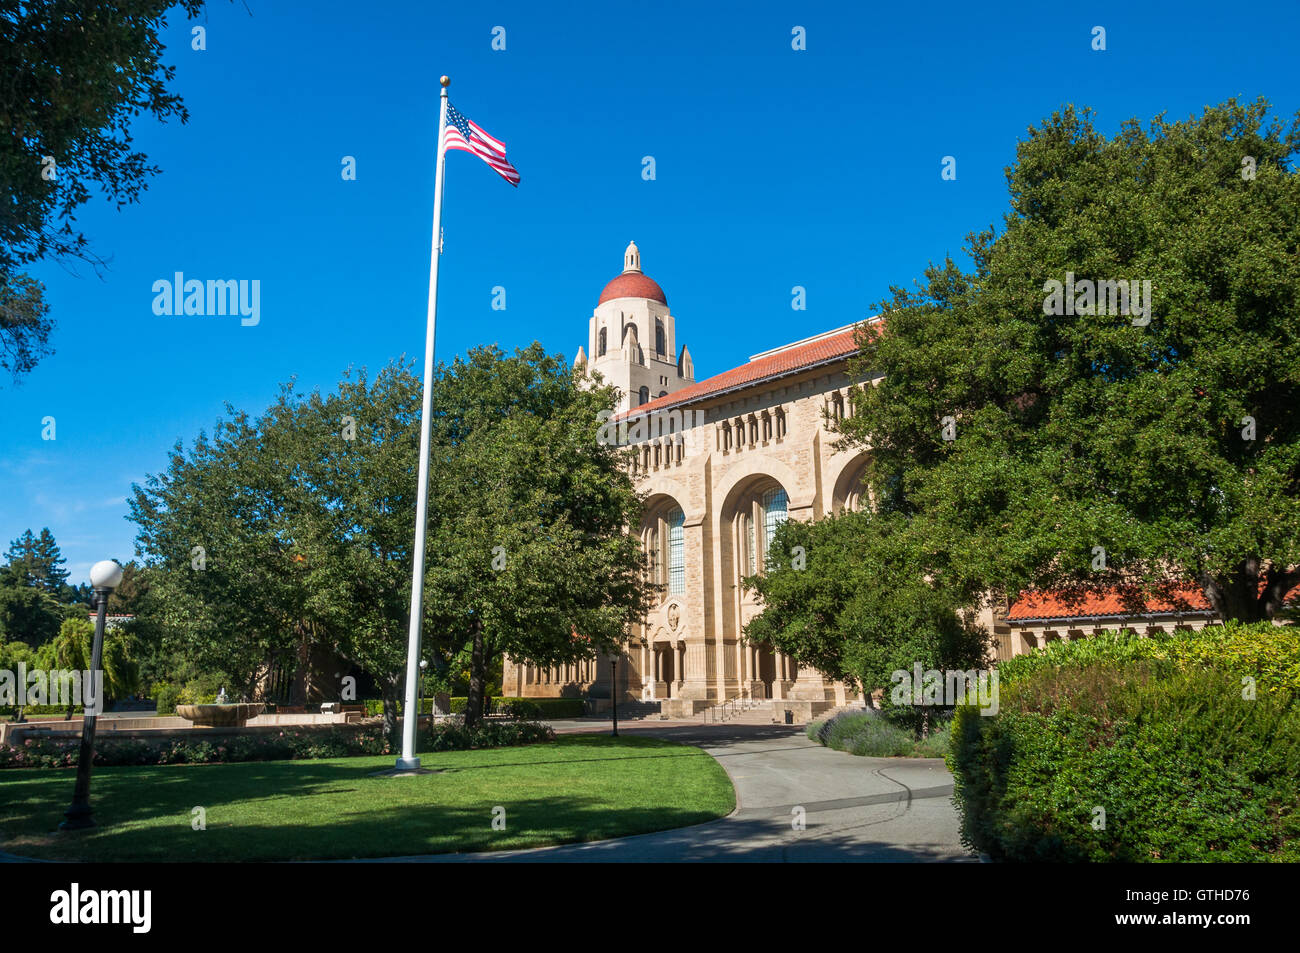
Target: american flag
470, 137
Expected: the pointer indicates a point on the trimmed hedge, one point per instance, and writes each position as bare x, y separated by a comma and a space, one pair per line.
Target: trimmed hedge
290, 745
31, 711
1268, 653
1159, 733
519, 708
46, 752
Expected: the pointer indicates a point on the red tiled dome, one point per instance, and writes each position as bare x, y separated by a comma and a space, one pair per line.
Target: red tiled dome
633, 284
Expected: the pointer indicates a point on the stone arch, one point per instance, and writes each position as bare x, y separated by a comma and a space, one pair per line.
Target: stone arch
742, 532
745, 470
742, 520
662, 531
846, 485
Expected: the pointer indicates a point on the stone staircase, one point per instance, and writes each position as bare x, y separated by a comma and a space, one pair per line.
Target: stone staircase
760, 713
765, 712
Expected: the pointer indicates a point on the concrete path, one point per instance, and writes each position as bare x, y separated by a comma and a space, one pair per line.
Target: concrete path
854, 809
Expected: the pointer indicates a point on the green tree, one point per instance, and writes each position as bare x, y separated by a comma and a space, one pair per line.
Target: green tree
73, 647
37, 561
68, 139
530, 552
350, 460
1093, 449
12, 654
226, 589
25, 323
131, 595
856, 611
28, 613
305, 515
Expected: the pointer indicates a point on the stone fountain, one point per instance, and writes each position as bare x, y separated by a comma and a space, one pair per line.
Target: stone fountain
222, 714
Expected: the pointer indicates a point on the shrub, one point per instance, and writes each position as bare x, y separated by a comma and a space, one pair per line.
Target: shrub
282, 746
165, 695
522, 708
198, 691
872, 733
287, 745
1267, 653
1155, 733
527, 707
882, 734
935, 744
862, 734
31, 711
454, 736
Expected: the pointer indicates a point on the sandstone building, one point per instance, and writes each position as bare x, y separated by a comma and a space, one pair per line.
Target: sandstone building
723, 462
736, 454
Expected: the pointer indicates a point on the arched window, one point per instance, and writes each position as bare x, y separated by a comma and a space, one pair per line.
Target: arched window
659, 337
757, 514
644, 395
776, 508
663, 393
676, 521
748, 541
600, 347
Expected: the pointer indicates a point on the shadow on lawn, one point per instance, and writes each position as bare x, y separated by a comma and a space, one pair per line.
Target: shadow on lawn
33, 805
369, 832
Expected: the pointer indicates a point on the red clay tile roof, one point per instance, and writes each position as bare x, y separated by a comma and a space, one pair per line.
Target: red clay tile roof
1059, 604
633, 284
820, 351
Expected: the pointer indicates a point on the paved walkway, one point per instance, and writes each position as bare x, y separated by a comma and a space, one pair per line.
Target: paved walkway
854, 809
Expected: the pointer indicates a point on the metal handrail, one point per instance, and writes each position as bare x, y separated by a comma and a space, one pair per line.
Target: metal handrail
733, 706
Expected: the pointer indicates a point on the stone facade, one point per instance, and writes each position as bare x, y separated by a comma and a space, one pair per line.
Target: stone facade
721, 462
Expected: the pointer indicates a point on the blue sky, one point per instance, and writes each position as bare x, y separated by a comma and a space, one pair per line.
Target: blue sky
774, 168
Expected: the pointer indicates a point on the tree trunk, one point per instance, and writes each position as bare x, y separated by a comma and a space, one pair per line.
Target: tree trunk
1251, 593
477, 679
390, 686
302, 667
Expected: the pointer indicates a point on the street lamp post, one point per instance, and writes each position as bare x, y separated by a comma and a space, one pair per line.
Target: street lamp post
613, 690
105, 576
419, 702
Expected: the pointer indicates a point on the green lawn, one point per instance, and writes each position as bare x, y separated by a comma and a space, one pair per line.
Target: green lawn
577, 788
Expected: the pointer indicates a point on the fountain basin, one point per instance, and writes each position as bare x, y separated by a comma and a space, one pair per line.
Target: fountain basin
220, 716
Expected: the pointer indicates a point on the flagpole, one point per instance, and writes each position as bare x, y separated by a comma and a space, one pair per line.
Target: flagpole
408, 761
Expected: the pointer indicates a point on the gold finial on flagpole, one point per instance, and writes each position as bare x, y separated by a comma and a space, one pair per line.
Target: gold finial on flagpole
446, 81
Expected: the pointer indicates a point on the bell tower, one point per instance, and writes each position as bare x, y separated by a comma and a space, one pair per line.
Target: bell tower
632, 338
